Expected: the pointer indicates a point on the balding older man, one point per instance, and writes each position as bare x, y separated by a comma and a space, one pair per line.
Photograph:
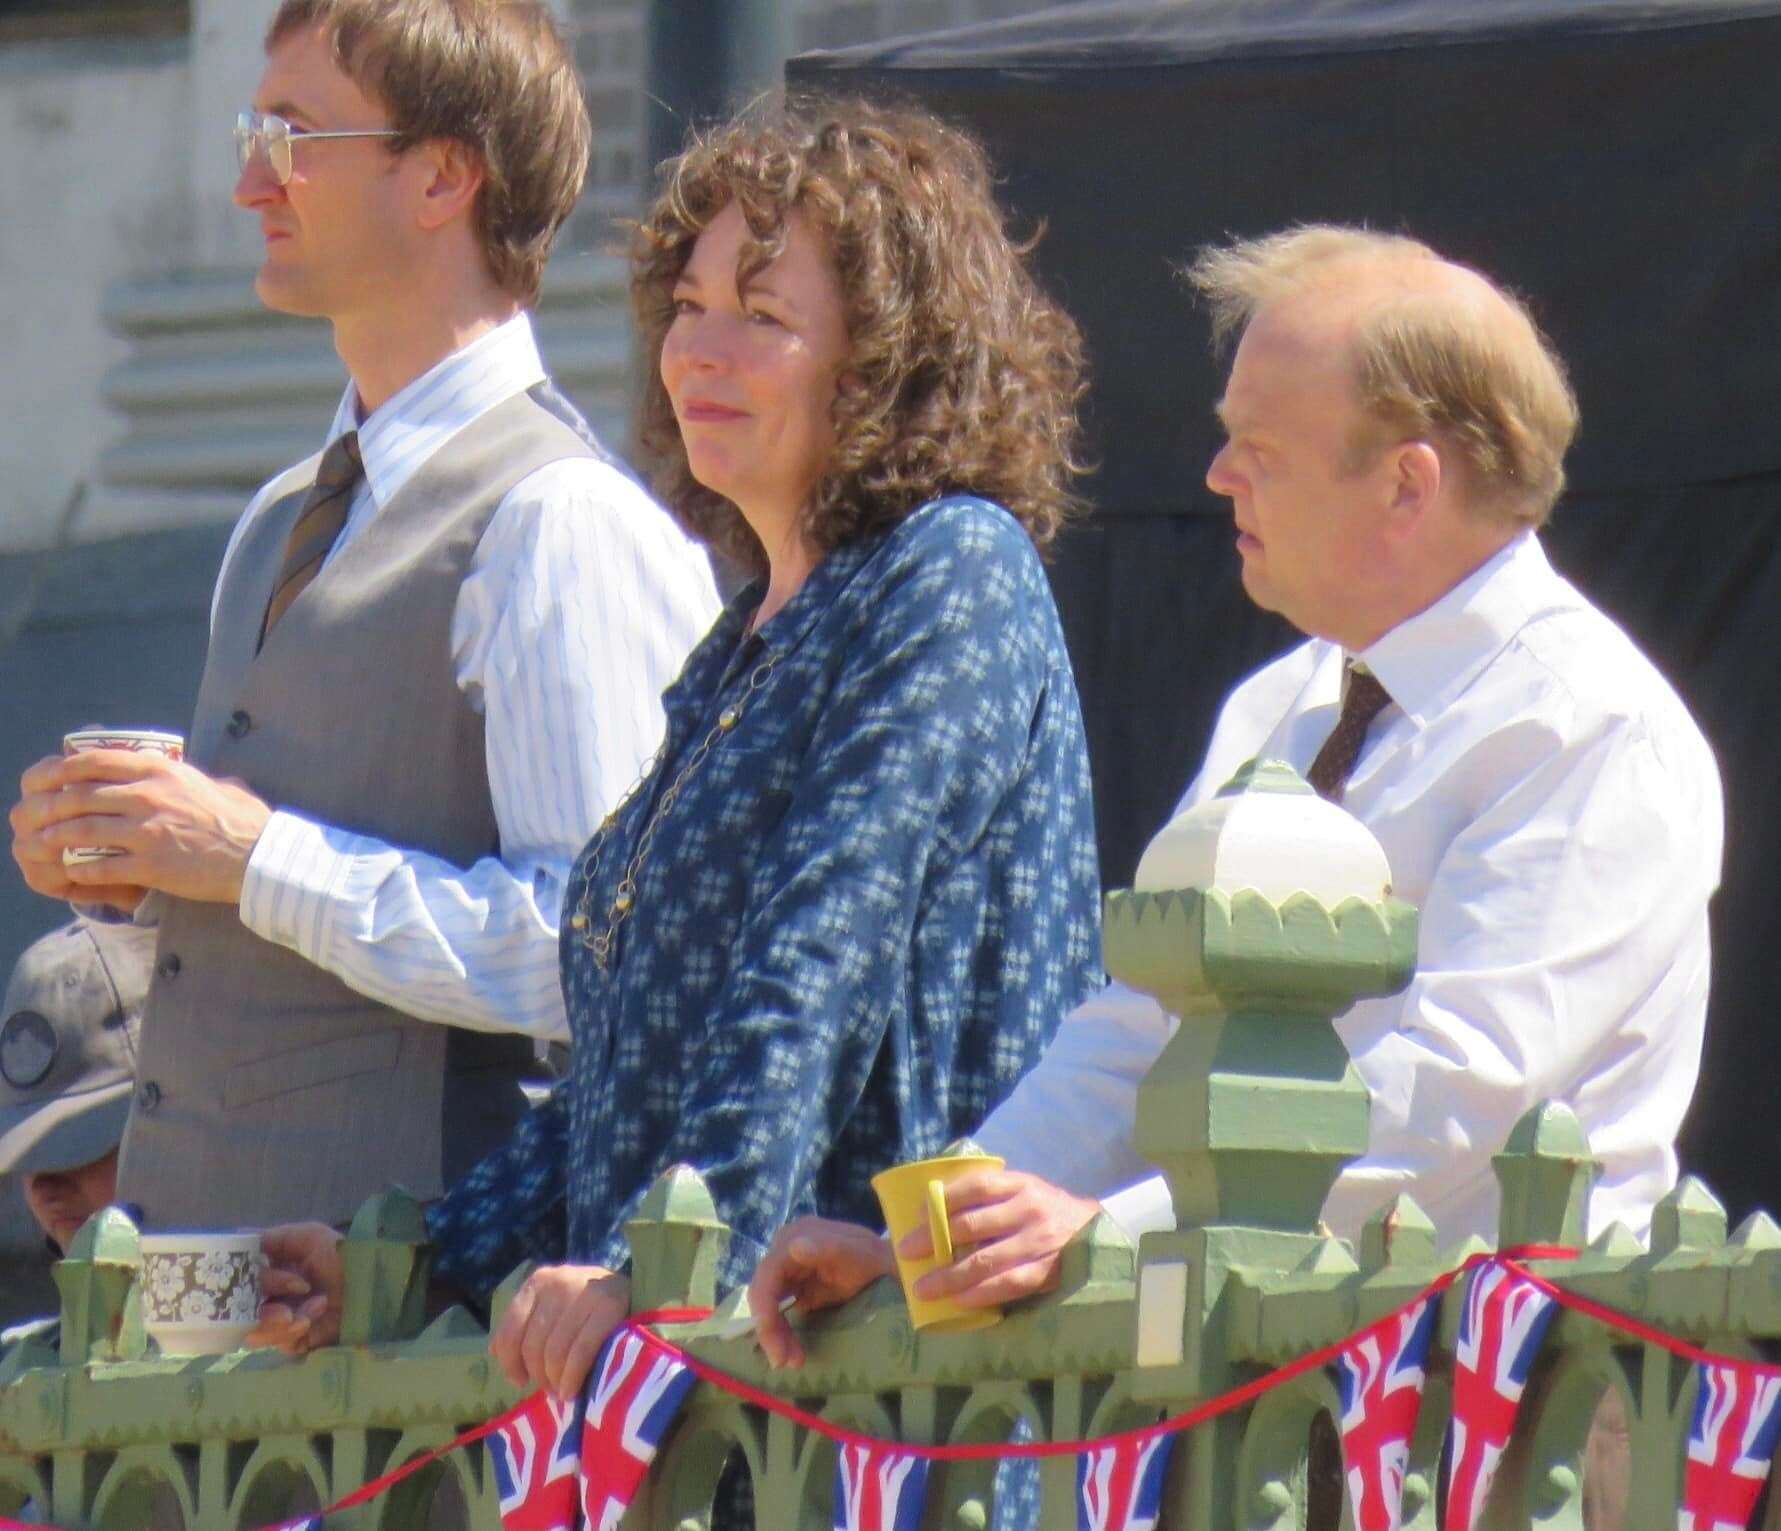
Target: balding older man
1397, 428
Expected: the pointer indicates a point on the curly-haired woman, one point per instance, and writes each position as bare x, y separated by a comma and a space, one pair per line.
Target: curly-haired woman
847, 906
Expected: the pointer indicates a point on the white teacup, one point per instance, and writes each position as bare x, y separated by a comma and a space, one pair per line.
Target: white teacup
200, 1291
147, 740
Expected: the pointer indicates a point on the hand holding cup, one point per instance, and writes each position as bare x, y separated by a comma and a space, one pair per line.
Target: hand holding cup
914, 1199
142, 741
1009, 1231
171, 827
45, 805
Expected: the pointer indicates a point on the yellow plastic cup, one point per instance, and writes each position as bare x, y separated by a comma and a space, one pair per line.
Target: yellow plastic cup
914, 1194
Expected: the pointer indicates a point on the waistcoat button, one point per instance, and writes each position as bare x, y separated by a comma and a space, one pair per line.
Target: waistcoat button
168, 966
148, 1095
240, 725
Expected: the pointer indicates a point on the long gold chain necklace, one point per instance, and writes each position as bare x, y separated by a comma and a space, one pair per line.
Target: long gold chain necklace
624, 901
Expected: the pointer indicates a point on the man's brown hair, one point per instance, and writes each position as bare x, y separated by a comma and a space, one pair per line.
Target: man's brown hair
1443, 355
961, 375
493, 75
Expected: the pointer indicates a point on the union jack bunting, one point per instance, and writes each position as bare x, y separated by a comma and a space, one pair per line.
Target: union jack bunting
1737, 1417
535, 1456
1379, 1375
878, 1488
1500, 1330
633, 1399
1120, 1487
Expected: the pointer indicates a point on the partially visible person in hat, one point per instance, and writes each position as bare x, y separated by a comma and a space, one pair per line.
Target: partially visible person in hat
67, 1065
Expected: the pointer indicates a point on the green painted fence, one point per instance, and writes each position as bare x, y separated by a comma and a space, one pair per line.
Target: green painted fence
1250, 1112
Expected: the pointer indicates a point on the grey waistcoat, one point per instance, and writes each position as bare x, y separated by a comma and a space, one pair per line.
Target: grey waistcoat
267, 1089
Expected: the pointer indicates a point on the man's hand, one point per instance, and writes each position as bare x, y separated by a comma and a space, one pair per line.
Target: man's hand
819, 1262
304, 1285
41, 862
179, 831
557, 1323
1012, 1227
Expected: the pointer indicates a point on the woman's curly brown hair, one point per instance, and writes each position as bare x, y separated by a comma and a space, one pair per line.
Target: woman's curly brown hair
962, 376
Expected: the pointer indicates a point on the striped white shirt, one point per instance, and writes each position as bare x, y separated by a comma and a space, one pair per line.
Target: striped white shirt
582, 600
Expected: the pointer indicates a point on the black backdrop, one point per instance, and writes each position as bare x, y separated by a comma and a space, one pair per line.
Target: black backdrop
1618, 162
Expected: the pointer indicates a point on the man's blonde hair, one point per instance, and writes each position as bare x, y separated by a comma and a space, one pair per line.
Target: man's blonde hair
493, 75
1441, 354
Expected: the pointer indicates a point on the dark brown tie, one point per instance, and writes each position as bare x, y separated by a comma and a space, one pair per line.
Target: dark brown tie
317, 526
1362, 699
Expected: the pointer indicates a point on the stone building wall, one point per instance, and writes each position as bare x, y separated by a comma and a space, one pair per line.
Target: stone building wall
92, 186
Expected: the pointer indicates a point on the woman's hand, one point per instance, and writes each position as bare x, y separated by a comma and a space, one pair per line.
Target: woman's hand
819, 1262
304, 1287
556, 1324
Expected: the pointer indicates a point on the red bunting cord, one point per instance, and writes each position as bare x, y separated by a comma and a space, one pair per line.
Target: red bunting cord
993, 1451
366, 1492
1638, 1329
387, 1481
1001, 1450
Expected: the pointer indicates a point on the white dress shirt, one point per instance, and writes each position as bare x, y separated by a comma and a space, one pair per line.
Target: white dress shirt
582, 601
1548, 804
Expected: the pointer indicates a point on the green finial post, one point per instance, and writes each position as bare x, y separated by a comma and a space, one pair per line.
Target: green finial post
1398, 1235
386, 1260
1257, 918
504, 1294
1690, 1217
1545, 1171
1099, 1256
101, 1306
1254, 1107
677, 1244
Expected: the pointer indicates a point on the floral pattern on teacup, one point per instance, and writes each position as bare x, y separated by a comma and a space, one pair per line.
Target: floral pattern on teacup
216, 1286
215, 1271
166, 1282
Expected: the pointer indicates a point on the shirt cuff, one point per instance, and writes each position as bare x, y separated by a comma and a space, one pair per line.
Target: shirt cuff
291, 878
1142, 1208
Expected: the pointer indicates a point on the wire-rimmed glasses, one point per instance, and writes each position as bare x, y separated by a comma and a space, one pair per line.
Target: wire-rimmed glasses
265, 135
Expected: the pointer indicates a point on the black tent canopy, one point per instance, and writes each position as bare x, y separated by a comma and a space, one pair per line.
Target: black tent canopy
1617, 162
1168, 33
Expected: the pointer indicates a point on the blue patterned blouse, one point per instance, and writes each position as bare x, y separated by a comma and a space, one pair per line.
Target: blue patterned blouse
857, 925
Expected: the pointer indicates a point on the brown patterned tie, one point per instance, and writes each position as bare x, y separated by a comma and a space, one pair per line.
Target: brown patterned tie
1362, 699
317, 526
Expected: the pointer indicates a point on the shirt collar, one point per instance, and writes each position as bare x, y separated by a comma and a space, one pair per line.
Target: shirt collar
1429, 659
398, 437
791, 624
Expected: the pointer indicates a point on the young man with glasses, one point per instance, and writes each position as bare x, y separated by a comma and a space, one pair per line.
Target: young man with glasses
436, 652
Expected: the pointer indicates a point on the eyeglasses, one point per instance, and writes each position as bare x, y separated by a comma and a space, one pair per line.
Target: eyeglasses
262, 135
